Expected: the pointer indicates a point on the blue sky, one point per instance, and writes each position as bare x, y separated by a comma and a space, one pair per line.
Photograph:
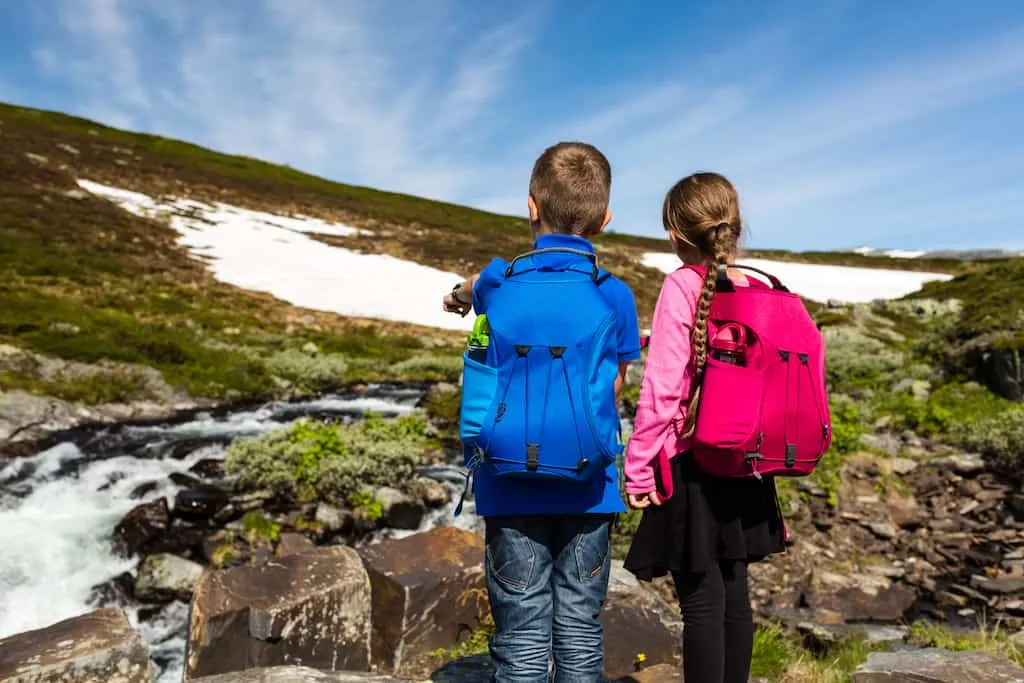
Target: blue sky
842, 122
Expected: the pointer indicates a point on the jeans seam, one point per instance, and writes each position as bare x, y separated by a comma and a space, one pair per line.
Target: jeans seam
509, 583
586, 575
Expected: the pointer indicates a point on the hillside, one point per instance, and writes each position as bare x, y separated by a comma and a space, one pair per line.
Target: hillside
84, 281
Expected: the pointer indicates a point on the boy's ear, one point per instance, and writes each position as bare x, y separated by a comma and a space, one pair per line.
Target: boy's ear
534, 211
604, 224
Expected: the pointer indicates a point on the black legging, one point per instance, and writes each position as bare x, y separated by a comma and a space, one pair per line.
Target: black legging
718, 625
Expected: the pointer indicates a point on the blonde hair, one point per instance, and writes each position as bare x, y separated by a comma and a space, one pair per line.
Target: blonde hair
702, 211
571, 184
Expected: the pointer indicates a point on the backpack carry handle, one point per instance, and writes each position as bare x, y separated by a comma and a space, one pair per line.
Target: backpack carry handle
593, 257
724, 284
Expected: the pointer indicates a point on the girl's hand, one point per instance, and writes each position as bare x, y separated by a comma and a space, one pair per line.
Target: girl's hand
639, 501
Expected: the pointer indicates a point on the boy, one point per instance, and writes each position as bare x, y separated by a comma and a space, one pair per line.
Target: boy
548, 540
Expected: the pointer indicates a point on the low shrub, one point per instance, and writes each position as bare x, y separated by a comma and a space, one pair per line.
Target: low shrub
429, 366
308, 371
314, 460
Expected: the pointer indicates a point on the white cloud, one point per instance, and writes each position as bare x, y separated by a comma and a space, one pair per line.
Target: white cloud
454, 104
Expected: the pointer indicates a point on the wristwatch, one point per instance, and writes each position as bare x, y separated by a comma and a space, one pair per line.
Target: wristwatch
455, 295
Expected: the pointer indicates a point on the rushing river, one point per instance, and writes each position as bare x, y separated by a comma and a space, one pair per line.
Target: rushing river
59, 507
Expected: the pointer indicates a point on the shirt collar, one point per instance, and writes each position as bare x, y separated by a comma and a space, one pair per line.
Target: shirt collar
555, 240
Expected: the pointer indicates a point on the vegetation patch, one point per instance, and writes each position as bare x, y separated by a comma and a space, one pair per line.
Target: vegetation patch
312, 460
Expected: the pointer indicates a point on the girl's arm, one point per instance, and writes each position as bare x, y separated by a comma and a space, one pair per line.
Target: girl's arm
668, 376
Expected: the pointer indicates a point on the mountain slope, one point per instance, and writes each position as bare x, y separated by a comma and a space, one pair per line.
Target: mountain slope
83, 280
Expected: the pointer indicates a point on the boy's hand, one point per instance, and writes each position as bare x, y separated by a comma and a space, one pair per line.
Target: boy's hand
638, 501
453, 305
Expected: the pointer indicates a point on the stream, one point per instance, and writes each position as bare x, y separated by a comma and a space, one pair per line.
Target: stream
58, 508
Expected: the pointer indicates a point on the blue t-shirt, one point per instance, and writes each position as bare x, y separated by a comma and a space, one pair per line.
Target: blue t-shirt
519, 497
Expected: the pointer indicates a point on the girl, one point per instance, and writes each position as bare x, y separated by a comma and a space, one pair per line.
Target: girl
710, 529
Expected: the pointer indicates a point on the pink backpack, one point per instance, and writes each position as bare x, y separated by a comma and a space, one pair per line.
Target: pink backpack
763, 408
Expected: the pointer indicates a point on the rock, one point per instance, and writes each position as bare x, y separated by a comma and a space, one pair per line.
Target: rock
1000, 369
400, 510
902, 466
998, 584
883, 530
185, 480
297, 674
426, 604
659, 673
208, 468
962, 463
98, 647
240, 503
199, 504
821, 636
118, 591
638, 621
165, 577
934, 665
333, 519
142, 528
312, 608
885, 443
905, 511
434, 493
859, 597
293, 544
143, 490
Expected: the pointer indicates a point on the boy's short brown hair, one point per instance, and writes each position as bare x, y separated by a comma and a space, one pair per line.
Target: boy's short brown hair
571, 183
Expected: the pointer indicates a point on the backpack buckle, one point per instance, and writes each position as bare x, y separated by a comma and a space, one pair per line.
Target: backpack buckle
790, 454
532, 456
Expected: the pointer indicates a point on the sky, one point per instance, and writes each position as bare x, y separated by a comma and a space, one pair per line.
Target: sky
842, 123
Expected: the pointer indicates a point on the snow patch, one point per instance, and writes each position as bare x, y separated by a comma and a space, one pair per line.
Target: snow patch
822, 282
271, 253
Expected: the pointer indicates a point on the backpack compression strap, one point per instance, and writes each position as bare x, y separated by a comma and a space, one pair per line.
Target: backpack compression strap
595, 275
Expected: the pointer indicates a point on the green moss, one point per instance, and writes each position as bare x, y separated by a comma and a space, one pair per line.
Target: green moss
223, 555
259, 528
365, 502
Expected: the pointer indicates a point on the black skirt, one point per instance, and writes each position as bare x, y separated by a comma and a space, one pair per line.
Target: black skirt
706, 520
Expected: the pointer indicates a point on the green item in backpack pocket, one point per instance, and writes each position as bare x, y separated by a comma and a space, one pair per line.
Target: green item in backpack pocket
480, 335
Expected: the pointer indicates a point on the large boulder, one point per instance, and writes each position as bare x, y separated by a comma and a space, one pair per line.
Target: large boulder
142, 528
933, 665
311, 608
638, 622
98, 647
859, 597
428, 593
297, 674
165, 577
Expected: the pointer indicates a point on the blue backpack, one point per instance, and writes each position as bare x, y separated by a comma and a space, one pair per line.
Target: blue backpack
543, 405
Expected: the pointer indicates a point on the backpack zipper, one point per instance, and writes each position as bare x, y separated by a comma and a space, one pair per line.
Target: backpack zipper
586, 394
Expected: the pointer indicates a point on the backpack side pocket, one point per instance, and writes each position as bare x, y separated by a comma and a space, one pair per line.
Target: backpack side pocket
479, 384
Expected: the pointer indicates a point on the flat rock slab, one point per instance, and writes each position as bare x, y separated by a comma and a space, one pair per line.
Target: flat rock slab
859, 597
638, 622
310, 609
297, 674
428, 593
933, 665
98, 647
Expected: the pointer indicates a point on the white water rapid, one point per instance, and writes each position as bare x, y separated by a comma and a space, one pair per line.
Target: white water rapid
59, 507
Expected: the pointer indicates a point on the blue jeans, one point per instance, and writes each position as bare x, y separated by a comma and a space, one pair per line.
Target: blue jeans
547, 579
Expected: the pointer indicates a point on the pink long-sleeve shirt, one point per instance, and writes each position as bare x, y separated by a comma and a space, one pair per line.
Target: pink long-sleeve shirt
668, 381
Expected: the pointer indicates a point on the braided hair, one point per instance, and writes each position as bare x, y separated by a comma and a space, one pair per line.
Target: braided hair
702, 214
